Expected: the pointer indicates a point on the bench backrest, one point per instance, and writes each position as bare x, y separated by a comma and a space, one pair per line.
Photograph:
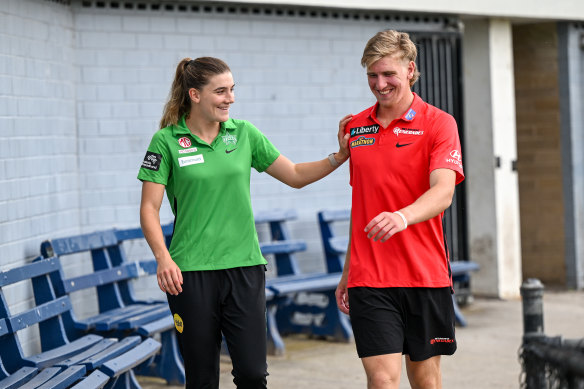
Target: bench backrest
286, 262
47, 312
334, 245
104, 247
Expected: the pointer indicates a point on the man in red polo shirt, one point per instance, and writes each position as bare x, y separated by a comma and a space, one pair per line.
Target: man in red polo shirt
405, 162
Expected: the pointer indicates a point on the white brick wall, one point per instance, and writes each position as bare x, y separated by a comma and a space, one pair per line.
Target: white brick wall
39, 192
38, 149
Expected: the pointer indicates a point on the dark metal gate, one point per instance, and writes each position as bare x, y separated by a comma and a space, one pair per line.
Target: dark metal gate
440, 84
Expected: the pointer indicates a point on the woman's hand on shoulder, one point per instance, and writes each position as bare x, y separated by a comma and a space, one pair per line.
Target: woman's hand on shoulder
343, 138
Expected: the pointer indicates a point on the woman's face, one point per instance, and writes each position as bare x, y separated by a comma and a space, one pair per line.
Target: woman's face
214, 100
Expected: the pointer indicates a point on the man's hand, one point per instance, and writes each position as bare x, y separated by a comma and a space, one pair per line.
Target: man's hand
384, 226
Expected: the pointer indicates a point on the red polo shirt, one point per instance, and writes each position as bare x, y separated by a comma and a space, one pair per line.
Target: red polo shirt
390, 168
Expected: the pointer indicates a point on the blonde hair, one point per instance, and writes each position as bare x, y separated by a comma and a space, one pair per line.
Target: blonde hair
190, 73
393, 43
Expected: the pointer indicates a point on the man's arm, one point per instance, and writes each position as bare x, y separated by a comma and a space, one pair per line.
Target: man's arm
341, 293
434, 201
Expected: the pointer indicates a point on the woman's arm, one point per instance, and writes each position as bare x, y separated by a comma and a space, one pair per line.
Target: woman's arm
168, 274
298, 175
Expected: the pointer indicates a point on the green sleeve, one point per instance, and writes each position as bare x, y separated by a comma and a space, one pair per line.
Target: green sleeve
157, 164
264, 153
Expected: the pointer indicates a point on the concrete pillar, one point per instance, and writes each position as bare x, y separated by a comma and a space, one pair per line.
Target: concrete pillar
489, 155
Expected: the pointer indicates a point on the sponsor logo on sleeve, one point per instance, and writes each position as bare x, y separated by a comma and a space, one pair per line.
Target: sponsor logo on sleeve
455, 158
362, 141
152, 161
373, 129
184, 142
192, 160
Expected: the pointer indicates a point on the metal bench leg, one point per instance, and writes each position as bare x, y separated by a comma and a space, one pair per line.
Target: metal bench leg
457, 313
168, 363
275, 342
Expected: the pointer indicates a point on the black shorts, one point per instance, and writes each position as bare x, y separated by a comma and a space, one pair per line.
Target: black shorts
414, 321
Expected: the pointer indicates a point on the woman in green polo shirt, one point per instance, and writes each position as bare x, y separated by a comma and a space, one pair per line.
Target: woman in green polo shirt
214, 273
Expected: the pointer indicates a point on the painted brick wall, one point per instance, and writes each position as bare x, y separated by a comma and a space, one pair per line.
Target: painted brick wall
38, 151
539, 153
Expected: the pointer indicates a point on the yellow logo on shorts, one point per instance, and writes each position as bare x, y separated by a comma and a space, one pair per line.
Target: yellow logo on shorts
178, 323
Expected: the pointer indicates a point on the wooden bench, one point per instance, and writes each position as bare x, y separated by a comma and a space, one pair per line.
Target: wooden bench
87, 361
120, 312
301, 303
335, 248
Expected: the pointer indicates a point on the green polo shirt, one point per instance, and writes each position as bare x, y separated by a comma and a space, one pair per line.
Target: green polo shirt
207, 186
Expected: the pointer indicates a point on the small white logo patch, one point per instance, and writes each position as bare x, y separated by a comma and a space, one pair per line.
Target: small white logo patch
186, 161
187, 151
184, 142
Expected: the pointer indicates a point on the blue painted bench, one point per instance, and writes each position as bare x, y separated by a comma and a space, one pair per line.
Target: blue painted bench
301, 303
335, 247
87, 361
120, 312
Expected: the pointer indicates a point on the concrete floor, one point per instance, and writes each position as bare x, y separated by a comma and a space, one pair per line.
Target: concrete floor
486, 357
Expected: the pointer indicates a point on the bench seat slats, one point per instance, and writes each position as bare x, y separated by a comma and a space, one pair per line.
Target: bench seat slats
18, 378
65, 378
160, 325
49, 358
312, 284
95, 349
131, 359
95, 380
339, 244
274, 215
285, 246
143, 318
112, 316
115, 350
463, 267
331, 215
42, 377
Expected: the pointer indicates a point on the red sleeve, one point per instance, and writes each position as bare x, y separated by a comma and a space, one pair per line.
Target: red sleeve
446, 152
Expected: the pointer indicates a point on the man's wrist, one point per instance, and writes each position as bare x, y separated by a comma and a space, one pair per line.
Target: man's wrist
403, 218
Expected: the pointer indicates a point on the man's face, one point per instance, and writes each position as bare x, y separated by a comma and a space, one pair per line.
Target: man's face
389, 80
